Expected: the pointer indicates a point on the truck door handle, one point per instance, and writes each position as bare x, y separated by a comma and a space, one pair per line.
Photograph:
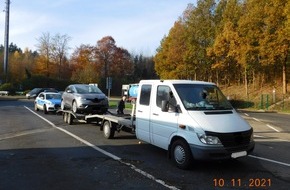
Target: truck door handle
155, 114
140, 111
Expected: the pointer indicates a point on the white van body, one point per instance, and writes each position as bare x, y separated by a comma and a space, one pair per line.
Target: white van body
170, 116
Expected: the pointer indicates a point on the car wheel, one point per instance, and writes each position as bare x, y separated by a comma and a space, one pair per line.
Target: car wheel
62, 106
44, 109
108, 130
35, 107
74, 107
181, 154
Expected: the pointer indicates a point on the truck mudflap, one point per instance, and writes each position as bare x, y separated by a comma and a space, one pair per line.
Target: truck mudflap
220, 152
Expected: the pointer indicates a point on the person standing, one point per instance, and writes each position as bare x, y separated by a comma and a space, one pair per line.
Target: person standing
121, 105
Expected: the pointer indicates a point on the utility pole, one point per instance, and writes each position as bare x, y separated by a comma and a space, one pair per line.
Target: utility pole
6, 38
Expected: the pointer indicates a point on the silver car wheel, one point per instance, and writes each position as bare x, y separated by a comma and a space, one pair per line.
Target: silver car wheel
74, 107
62, 105
35, 107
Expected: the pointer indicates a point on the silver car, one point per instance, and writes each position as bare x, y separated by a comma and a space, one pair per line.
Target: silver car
85, 99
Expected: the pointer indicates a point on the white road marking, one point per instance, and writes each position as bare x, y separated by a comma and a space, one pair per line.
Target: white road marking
106, 153
23, 133
256, 119
259, 136
269, 160
273, 128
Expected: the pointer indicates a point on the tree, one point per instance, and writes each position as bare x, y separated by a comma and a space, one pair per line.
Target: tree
106, 48
169, 60
84, 66
44, 49
59, 48
274, 43
182, 54
121, 64
143, 68
224, 49
115, 61
52, 51
201, 34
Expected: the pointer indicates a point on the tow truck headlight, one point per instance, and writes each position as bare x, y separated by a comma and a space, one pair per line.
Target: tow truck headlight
212, 140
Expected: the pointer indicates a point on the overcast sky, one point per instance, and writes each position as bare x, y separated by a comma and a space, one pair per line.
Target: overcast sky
136, 25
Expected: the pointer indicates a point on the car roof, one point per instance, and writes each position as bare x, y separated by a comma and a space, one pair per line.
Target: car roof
176, 82
50, 93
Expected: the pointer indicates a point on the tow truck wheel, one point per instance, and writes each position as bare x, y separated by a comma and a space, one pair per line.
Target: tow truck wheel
109, 132
65, 117
181, 154
69, 119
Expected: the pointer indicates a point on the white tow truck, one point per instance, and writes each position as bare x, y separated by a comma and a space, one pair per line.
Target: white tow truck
192, 120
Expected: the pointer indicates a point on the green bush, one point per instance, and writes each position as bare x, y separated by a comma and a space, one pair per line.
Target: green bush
8, 87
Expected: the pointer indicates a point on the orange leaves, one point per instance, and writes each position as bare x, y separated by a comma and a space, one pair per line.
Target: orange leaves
91, 63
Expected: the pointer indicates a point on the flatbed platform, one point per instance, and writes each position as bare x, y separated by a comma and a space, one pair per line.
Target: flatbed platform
109, 122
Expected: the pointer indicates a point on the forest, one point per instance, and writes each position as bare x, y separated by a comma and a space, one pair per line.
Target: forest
229, 42
50, 66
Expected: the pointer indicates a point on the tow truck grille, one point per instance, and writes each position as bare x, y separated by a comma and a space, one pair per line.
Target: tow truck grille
231, 140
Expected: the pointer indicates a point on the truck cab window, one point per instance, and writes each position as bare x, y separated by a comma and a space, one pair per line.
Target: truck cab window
145, 95
165, 93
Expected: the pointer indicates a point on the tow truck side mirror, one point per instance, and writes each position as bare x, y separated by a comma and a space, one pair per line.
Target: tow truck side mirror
164, 105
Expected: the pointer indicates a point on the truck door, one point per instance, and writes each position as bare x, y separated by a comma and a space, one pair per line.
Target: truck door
163, 124
143, 113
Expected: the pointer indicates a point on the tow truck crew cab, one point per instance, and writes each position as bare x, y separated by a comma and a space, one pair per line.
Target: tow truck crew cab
191, 120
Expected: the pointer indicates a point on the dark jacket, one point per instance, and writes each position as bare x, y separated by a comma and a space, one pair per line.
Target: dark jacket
121, 107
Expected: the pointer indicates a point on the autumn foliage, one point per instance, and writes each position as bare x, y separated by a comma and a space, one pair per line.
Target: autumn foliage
50, 66
229, 42
243, 42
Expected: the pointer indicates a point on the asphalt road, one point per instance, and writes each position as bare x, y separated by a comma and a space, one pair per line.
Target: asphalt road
39, 151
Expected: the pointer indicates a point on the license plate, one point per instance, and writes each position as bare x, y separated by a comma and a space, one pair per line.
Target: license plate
239, 154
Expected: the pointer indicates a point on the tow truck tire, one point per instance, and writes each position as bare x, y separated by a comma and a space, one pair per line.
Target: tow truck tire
69, 119
108, 131
181, 154
65, 117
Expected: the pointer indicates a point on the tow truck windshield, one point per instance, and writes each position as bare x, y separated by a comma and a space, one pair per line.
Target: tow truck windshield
202, 97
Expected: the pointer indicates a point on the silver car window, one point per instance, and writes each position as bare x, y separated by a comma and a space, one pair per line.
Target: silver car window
85, 89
